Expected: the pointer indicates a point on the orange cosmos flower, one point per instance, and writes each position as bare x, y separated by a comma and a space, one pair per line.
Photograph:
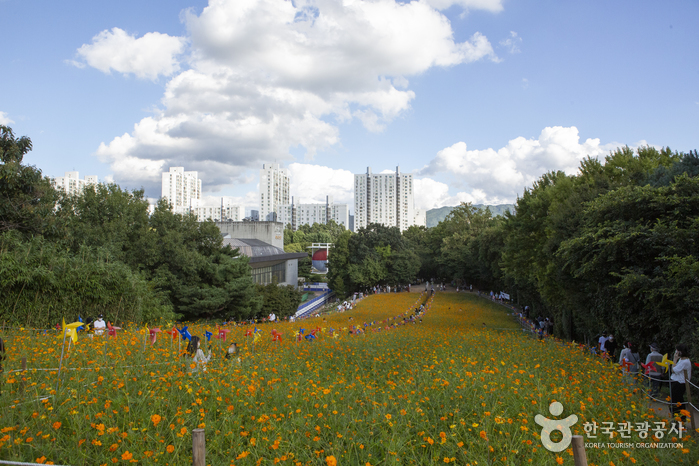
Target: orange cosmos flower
330, 461
155, 419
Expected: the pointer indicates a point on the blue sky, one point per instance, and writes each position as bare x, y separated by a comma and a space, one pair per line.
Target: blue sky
476, 97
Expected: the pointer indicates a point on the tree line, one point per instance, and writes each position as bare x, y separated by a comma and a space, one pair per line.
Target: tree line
612, 247
100, 252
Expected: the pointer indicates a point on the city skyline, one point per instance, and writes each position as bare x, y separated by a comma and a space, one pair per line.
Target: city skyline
475, 99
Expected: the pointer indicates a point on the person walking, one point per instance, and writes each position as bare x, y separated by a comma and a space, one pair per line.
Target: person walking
653, 373
630, 356
600, 343
610, 347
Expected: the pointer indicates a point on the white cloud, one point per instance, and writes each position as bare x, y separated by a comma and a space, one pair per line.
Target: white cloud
4, 119
494, 6
311, 183
431, 194
267, 75
147, 57
511, 44
498, 176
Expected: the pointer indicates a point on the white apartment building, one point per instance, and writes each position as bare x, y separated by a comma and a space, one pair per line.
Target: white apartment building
274, 190
182, 189
71, 183
384, 198
420, 218
212, 211
308, 214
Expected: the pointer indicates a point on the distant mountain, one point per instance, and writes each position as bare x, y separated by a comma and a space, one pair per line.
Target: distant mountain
434, 216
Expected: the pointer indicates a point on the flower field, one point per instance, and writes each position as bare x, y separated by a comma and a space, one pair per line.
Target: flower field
463, 386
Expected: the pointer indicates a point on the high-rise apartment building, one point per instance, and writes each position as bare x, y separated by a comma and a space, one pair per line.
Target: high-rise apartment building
71, 183
182, 189
384, 198
274, 190
308, 214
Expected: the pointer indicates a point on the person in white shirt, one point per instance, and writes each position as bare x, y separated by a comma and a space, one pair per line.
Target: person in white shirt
197, 354
272, 317
681, 365
99, 325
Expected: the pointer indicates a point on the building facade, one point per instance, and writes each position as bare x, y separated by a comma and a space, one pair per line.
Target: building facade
223, 211
274, 190
263, 243
308, 214
385, 198
71, 183
182, 189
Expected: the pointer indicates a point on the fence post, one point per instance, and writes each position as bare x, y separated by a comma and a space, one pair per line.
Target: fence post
198, 447
579, 455
689, 400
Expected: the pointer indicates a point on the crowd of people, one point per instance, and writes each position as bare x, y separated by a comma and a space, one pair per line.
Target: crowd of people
655, 370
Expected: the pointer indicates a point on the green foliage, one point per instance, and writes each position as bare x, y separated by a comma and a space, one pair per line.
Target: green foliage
185, 259
283, 301
100, 252
42, 283
636, 256
338, 265
26, 198
378, 255
612, 247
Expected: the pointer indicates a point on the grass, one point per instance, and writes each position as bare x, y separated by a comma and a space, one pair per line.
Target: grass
447, 390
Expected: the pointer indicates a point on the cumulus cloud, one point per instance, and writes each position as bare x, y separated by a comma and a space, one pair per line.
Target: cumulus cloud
147, 57
497, 176
431, 194
4, 119
311, 183
511, 43
267, 75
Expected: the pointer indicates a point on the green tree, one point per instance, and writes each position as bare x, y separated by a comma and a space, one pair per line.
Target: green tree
283, 301
636, 260
42, 283
338, 265
27, 199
